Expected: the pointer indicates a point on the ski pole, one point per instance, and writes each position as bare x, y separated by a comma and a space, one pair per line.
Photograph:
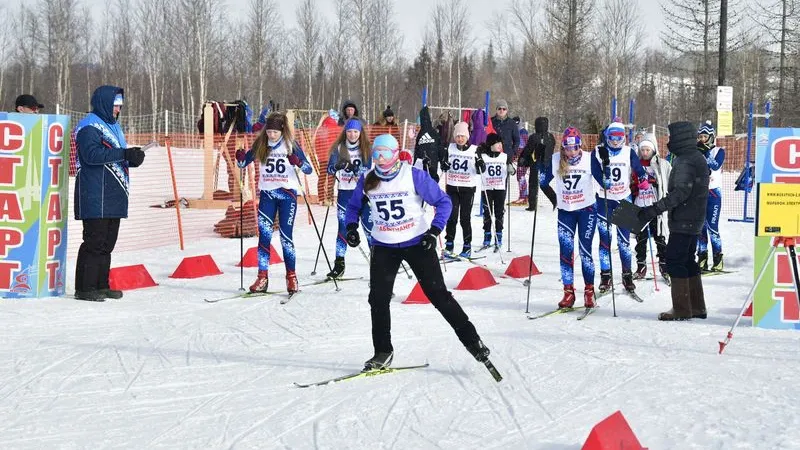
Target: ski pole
764, 265
316, 229
241, 231
652, 256
530, 266
610, 259
508, 202
319, 248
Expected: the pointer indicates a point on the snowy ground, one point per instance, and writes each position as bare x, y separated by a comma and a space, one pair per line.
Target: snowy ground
163, 369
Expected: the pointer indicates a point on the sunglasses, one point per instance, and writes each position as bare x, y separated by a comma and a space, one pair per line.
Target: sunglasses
385, 152
502, 109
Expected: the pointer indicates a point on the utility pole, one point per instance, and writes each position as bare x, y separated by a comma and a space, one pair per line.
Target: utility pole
723, 41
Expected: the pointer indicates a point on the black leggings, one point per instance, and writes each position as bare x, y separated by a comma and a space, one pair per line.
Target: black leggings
383, 269
462, 209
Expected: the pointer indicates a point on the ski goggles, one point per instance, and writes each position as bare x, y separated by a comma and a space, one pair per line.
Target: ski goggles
615, 140
385, 152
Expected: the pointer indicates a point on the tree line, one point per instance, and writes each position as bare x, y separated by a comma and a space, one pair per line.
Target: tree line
564, 59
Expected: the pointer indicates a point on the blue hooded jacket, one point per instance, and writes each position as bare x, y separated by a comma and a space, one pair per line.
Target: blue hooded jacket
101, 181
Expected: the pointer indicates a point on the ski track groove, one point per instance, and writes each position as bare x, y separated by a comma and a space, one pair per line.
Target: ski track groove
275, 439
400, 429
154, 350
220, 398
40, 373
186, 416
599, 396
121, 363
286, 329
510, 409
391, 407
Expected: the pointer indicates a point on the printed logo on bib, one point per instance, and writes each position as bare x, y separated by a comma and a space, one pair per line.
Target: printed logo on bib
391, 213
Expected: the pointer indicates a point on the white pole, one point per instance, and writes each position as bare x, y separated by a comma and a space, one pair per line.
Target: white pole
405, 128
58, 108
166, 122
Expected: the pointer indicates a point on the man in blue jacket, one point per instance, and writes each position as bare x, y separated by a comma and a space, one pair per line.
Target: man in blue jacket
101, 190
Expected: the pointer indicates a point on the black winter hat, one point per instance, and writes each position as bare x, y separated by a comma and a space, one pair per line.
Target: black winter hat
493, 138
388, 112
541, 124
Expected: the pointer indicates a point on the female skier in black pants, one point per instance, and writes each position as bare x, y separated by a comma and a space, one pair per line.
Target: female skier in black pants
397, 194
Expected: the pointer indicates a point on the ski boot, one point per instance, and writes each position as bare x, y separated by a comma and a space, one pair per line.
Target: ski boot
466, 252
487, 240
291, 282
662, 268
92, 296
641, 271
479, 351
262, 282
627, 282
498, 241
447, 253
380, 361
717, 263
569, 297
702, 261
338, 268
605, 281
588, 296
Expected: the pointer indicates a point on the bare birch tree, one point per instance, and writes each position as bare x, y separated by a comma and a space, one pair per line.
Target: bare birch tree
310, 43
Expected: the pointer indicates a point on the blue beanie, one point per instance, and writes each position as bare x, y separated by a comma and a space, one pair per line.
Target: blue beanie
353, 124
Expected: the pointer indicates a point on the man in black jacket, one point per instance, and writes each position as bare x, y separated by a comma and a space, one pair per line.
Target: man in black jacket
686, 204
507, 129
538, 155
429, 150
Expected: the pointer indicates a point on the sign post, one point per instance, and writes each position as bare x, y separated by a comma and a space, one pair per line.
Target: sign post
724, 111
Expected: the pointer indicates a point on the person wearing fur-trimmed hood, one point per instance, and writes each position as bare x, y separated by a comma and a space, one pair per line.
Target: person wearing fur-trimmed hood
658, 171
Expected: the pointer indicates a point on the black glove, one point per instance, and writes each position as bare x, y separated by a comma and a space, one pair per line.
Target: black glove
428, 241
340, 165
603, 151
480, 165
352, 237
134, 156
445, 166
647, 214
